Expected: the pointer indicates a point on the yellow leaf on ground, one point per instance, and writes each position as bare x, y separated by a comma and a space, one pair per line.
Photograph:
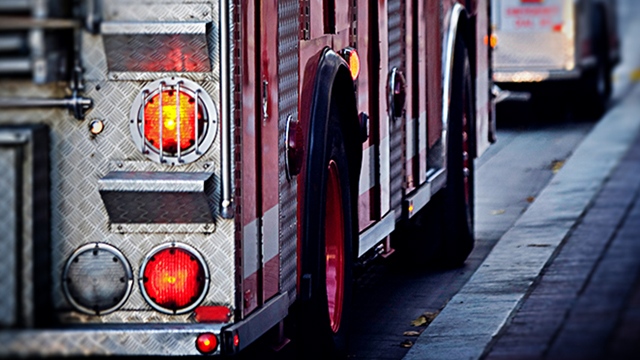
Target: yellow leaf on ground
531, 199
556, 165
424, 319
498, 212
411, 333
635, 75
406, 344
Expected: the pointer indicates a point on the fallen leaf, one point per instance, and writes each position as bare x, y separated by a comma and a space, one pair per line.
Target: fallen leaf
531, 199
406, 344
498, 212
635, 75
424, 319
556, 165
411, 333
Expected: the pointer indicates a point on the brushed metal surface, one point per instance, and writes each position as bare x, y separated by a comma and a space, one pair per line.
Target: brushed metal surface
288, 33
97, 279
79, 159
164, 47
9, 215
159, 340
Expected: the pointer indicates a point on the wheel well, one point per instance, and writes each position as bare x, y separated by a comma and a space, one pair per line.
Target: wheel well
333, 83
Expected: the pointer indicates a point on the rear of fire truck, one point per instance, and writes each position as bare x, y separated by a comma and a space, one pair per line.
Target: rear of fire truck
117, 235
570, 43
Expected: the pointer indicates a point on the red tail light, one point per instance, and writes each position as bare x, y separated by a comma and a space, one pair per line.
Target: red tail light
207, 343
174, 278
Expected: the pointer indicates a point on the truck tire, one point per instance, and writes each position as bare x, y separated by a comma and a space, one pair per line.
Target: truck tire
456, 201
441, 233
595, 85
325, 316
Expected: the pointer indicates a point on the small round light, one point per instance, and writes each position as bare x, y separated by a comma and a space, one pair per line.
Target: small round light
236, 340
96, 127
207, 343
97, 279
174, 278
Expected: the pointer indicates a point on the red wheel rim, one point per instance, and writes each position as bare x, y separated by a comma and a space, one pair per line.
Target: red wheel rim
334, 247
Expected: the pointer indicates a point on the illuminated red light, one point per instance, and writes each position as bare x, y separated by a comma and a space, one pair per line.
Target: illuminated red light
236, 340
170, 120
212, 314
207, 343
174, 279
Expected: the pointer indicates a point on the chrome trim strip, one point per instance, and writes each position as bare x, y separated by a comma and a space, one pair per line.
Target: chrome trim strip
421, 196
376, 233
447, 69
225, 112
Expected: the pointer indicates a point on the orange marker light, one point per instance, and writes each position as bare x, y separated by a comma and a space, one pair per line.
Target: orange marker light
354, 64
170, 118
491, 40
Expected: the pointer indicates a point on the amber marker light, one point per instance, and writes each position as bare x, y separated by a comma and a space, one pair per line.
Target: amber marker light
207, 343
168, 133
491, 40
350, 55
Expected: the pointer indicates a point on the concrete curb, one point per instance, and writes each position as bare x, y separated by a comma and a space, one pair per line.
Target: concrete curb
477, 313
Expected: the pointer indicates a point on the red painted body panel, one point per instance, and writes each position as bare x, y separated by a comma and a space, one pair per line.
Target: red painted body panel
248, 208
269, 136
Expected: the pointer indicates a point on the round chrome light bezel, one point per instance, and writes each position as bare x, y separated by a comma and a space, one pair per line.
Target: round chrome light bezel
202, 100
95, 249
193, 252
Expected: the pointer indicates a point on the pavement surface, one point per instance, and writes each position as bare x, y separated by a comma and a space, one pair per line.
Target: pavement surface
564, 281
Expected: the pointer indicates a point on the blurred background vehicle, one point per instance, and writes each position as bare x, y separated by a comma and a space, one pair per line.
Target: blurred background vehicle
560, 50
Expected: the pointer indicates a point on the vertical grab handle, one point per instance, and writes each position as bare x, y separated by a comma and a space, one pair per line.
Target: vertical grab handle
225, 121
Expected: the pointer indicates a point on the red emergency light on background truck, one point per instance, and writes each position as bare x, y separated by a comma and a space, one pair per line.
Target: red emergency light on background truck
180, 177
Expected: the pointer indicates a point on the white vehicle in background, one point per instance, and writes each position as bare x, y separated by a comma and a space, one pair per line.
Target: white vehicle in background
571, 44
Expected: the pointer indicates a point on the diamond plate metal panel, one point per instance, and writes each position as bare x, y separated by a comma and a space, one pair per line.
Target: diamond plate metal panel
157, 48
151, 340
9, 239
288, 32
118, 10
79, 160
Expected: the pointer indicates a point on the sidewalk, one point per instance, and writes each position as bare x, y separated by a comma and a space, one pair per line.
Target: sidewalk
563, 281
586, 304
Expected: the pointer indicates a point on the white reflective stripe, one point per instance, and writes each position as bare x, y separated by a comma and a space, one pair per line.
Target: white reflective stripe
385, 170
422, 132
250, 249
410, 138
366, 173
270, 246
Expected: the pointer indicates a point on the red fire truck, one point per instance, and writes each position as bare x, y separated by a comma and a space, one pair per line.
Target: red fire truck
179, 177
